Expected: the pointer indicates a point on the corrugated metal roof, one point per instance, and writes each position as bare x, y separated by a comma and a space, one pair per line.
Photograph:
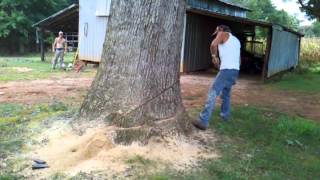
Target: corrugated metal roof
234, 5
58, 15
240, 19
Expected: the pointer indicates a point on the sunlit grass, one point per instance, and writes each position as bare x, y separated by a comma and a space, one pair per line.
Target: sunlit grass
259, 144
303, 79
30, 67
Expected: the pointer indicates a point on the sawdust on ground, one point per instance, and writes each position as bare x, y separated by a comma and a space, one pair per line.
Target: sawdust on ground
70, 153
22, 69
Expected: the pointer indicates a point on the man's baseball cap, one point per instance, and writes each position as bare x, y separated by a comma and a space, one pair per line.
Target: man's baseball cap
223, 28
60, 32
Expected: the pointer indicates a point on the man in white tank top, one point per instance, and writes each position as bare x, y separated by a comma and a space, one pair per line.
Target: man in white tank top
228, 47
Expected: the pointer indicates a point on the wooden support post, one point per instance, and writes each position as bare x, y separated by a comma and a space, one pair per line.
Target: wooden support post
41, 45
266, 57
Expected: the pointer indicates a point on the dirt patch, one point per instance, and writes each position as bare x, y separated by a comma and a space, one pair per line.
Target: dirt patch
42, 91
71, 153
248, 91
251, 91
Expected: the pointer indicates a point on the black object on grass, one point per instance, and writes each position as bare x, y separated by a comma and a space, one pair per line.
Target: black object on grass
39, 161
39, 166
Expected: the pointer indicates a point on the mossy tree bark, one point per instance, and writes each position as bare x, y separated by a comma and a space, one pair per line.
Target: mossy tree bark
137, 84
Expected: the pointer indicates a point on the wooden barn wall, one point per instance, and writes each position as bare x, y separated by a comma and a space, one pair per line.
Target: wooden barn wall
284, 52
217, 7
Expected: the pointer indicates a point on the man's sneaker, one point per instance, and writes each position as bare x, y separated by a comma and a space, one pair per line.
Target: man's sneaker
224, 118
198, 124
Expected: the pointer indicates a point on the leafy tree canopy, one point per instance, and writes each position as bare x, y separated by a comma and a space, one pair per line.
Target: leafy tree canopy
266, 11
311, 7
313, 30
17, 16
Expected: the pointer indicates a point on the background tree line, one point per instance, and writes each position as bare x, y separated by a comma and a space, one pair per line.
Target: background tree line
16, 19
266, 11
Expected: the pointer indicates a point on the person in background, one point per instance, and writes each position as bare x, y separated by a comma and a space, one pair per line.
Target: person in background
59, 47
228, 47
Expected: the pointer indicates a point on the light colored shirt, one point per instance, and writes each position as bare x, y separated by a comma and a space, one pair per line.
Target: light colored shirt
229, 53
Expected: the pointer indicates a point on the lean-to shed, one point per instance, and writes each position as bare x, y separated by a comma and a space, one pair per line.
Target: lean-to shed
279, 50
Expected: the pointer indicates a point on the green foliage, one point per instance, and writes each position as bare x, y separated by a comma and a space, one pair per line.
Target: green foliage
17, 17
310, 50
313, 30
311, 7
139, 160
266, 11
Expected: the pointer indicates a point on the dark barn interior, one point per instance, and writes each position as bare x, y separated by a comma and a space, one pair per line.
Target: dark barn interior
66, 20
199, 29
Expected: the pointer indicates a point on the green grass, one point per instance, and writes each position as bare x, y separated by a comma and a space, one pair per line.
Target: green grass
304, 79
139, 160
258, 144
255, 144
17, 123
9, 68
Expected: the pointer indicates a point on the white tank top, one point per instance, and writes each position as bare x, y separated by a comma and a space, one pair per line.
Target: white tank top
229, 53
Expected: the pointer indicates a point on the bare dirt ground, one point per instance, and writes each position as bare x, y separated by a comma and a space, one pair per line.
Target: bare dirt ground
248, 91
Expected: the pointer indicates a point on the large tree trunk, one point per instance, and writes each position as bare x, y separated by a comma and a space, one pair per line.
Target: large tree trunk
137, 85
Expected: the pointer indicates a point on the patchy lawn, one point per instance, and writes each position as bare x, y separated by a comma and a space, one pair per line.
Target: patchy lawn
18, 123
274, 132
31, 68
255, 144
260, 144
307, 81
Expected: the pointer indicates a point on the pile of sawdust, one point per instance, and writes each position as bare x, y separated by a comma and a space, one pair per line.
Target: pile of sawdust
22, 69
70, 153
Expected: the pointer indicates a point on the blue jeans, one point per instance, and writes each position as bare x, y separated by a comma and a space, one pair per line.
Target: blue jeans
225, 79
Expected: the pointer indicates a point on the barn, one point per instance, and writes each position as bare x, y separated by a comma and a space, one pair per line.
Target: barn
277, 52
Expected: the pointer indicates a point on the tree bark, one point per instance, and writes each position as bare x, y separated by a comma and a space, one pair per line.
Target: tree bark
137, 84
